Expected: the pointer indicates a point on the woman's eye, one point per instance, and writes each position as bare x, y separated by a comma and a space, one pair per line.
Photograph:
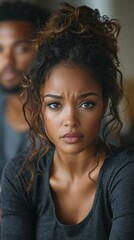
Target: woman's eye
87, 105
54, 105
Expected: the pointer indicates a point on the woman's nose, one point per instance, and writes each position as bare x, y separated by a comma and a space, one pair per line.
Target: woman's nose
71, 119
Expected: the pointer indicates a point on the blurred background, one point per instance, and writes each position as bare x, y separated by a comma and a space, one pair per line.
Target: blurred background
122, 10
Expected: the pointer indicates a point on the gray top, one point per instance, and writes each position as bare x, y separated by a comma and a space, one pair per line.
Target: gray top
32, 215
11, 142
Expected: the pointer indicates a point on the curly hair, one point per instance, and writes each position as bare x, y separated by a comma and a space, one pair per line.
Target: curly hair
82, 37
23, 11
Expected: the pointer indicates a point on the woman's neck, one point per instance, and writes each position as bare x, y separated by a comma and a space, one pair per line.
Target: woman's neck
75, 166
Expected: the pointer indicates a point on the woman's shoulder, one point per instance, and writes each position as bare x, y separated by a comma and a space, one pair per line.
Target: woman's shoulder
121, 155
17, 175
19, 162
119, 160
12, 169
15, 163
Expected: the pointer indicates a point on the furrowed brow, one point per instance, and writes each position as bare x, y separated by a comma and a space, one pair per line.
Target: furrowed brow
53, 96
88, 94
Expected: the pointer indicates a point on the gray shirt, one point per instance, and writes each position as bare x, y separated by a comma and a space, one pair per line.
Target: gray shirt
32, 215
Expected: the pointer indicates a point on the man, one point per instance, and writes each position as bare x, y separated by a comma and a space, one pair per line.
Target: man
19, 22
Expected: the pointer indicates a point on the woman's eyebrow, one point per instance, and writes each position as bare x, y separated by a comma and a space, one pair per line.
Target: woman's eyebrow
83, 95
53, 96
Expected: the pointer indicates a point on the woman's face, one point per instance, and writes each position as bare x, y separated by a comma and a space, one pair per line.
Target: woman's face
73, 108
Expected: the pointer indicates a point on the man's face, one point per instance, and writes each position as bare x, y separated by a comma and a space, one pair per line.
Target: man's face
16, 51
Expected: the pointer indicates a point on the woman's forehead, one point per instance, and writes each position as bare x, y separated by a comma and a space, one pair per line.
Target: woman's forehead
70, 78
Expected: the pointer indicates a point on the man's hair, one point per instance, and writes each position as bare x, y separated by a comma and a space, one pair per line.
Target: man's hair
23, 11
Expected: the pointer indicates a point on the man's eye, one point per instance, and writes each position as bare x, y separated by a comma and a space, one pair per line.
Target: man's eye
54, 105
22, 49
87, 104
1, 49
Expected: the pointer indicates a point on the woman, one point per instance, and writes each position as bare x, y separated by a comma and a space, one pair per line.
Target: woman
77, 186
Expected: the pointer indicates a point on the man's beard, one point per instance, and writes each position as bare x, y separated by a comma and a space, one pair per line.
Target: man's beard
12, 90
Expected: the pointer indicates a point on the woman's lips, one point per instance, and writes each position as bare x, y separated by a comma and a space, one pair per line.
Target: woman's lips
72, 137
